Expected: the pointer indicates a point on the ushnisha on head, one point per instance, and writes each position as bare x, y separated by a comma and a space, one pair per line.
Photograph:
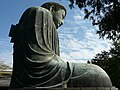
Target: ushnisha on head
58, 11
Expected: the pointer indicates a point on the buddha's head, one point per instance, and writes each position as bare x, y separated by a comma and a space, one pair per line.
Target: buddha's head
58, 11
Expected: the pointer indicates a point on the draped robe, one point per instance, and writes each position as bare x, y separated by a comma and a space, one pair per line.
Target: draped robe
36, 57
36, 52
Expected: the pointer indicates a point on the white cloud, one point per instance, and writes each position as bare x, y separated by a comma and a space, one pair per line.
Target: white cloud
78, 39
6, 57
68, 57
5, 51
78, 17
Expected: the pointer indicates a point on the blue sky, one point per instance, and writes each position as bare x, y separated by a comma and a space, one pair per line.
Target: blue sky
78, 39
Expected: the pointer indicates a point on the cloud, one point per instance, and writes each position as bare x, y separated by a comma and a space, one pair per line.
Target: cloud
5, 51
78, 39
6, 57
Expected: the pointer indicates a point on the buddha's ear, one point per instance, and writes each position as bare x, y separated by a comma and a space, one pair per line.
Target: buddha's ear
52, 9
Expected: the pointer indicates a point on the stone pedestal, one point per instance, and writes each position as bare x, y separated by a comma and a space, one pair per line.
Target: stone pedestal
81, 88
4, 85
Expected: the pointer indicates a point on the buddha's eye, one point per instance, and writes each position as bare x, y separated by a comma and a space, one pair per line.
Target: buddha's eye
63, 16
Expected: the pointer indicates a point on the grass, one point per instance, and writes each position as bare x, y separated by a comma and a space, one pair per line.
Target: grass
5, 73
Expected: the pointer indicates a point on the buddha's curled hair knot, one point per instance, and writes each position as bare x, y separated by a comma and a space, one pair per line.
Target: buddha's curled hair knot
56, 6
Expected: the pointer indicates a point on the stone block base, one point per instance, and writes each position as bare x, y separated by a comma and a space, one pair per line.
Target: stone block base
81, 88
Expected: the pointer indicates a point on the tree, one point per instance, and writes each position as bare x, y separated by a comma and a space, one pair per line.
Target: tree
4, 66
104, 13
110, 62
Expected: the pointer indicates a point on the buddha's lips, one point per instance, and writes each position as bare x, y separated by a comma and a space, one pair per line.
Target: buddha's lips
60, 24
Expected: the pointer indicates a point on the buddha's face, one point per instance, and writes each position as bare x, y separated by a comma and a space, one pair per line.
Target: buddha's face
58, 17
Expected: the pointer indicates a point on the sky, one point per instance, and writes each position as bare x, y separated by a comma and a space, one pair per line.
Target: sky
78, 39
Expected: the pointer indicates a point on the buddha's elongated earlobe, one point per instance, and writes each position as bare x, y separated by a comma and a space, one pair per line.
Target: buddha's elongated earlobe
52, 9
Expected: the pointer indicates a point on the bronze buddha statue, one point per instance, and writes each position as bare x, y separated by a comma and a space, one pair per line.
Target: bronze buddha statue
36, 57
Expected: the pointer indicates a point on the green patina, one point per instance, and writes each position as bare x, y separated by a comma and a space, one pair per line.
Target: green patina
36, 57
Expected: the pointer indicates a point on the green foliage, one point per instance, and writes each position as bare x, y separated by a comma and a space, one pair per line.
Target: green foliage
104, 13
4, 70
5, 74
110, 62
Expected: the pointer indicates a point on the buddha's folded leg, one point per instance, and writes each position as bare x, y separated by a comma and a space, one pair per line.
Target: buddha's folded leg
88, 75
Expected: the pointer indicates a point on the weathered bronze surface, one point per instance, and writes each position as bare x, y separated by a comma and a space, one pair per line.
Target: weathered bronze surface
36, 57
